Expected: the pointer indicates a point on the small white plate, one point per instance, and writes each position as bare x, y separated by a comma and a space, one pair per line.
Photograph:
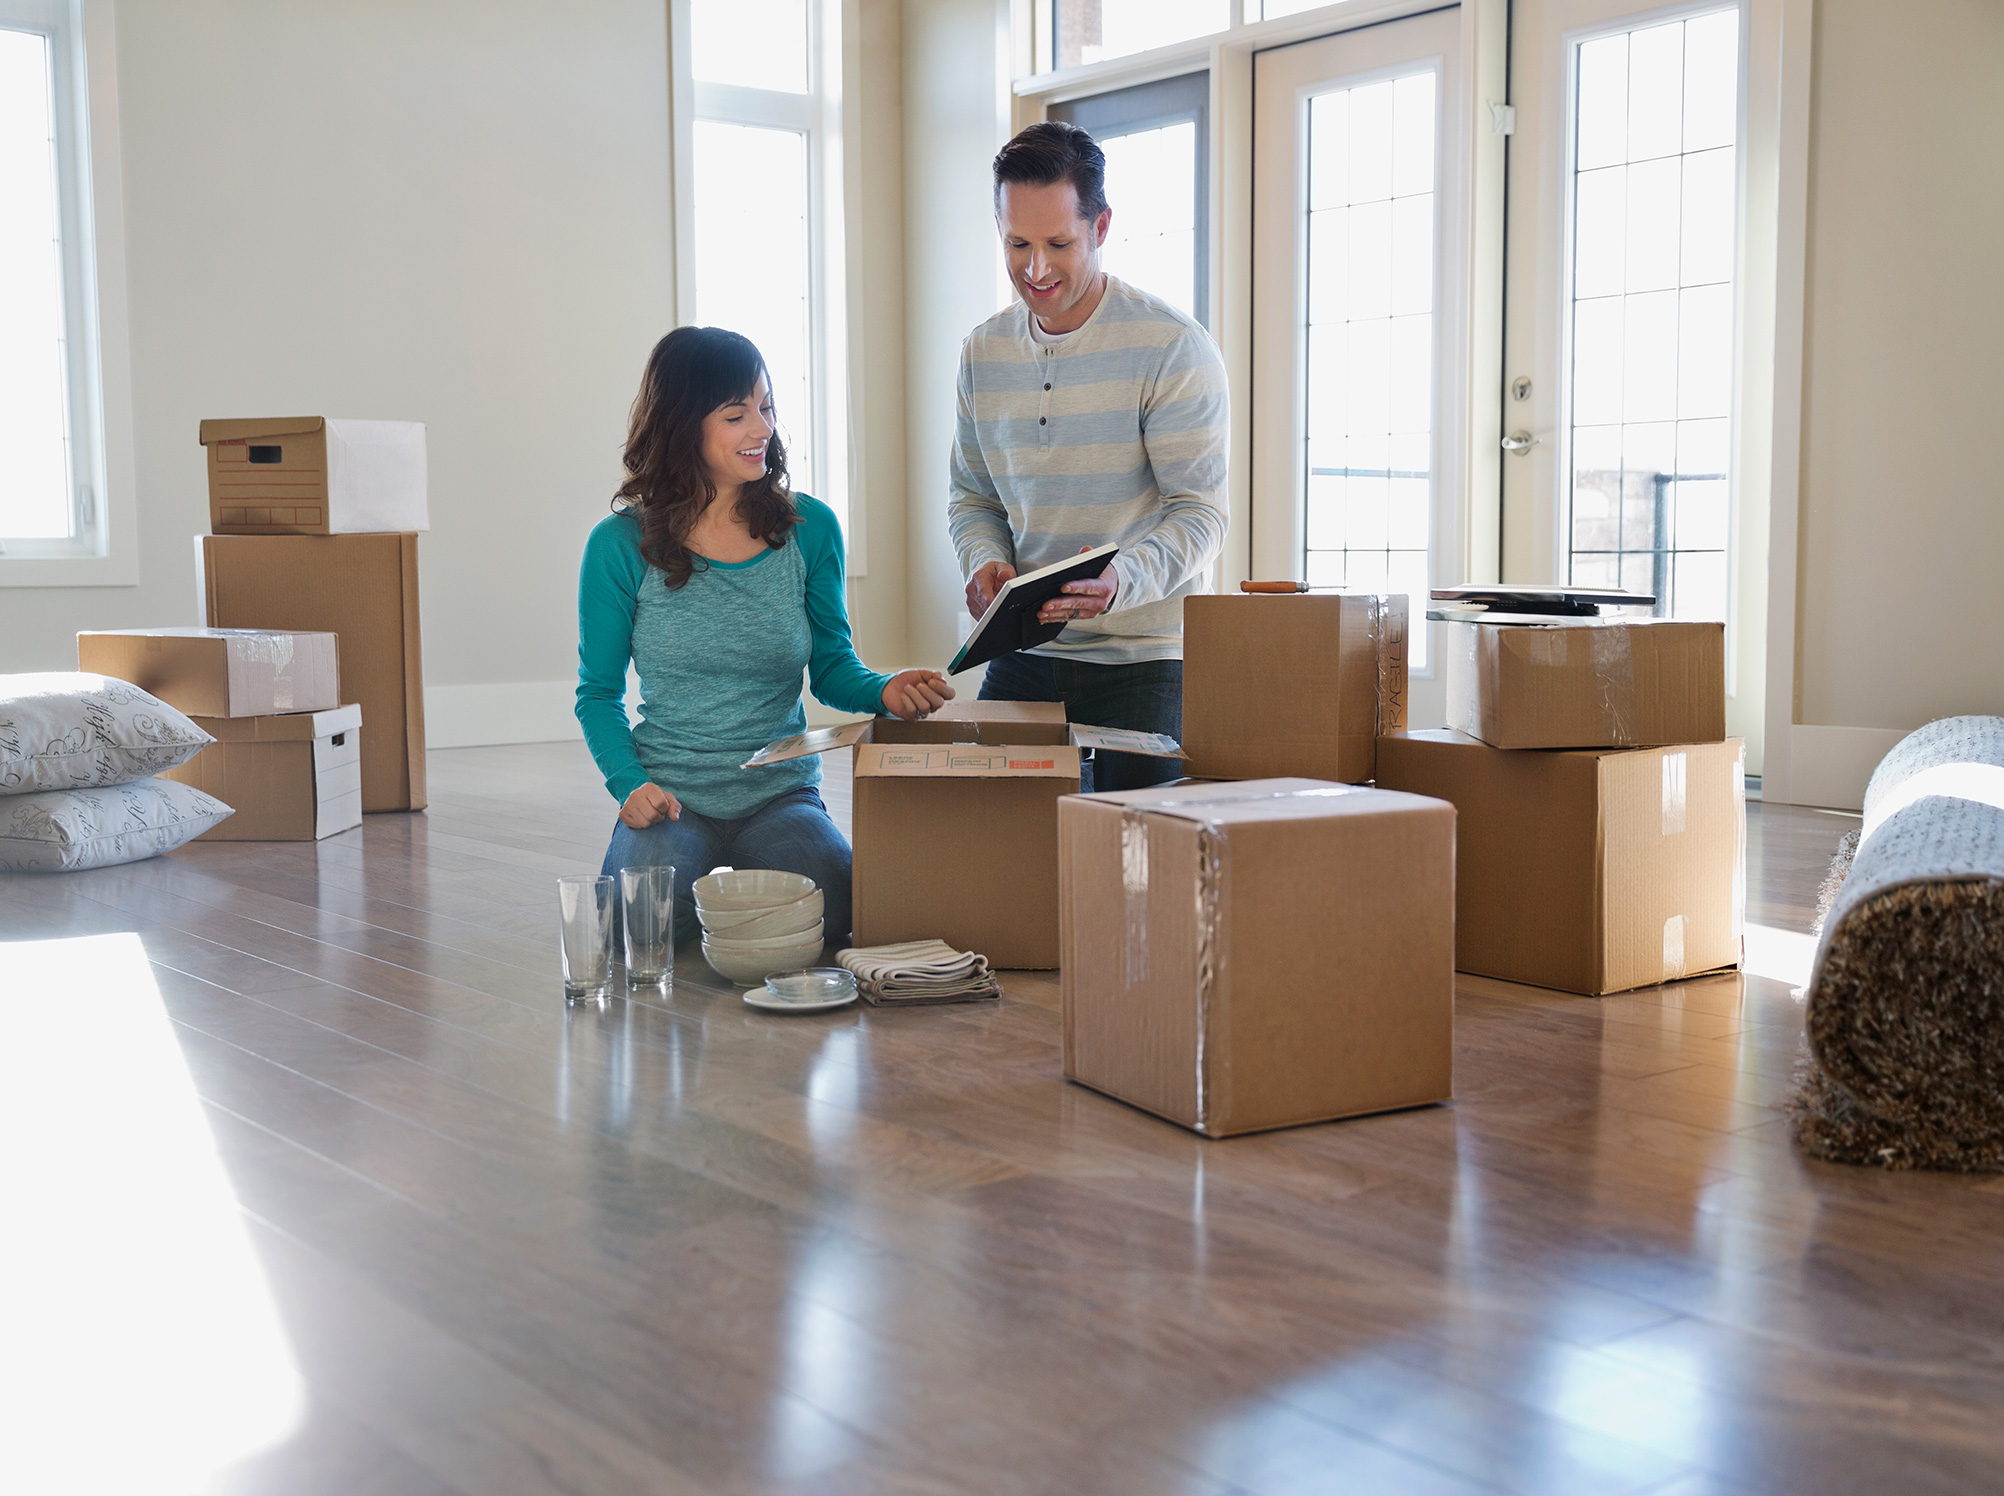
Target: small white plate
772, 1002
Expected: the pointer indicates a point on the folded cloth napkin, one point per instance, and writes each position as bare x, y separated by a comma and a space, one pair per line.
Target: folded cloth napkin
919, 971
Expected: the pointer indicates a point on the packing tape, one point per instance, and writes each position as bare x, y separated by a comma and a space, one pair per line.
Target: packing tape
1389, 614
274, 650
1614, 669
1673, 948
1134, 887
1675, 769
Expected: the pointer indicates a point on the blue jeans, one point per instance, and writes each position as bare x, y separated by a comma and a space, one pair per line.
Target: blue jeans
1146, 696
791, 833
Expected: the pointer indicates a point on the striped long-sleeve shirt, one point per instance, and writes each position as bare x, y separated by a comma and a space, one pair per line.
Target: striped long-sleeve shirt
1118, 433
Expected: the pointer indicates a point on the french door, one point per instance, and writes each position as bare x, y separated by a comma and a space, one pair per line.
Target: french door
1359, 322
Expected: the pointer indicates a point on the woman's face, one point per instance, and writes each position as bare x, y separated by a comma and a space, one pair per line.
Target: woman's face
734, 438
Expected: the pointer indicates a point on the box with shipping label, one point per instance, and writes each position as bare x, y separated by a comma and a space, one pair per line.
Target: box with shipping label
955, 823
1588, 682
296, 777
220, 672
316, 475
1259, 954
363, 588
1299, 684
1588, 870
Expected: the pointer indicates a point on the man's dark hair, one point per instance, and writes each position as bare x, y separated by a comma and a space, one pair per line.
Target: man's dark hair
1053, 151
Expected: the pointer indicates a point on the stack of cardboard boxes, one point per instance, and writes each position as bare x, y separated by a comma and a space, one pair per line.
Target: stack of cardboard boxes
1602, 806
308, 674
314, 527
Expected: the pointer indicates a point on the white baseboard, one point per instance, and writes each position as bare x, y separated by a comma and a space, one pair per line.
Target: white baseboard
529, 711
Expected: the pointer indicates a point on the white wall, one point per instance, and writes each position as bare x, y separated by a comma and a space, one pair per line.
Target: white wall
956, 115
447, 211
1898, 530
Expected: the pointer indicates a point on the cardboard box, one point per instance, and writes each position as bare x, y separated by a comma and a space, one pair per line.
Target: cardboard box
1591, 870
1261, 954
296, 777
316, 475
363, 588
1587, 682
955, 823
1291, 684
220, 672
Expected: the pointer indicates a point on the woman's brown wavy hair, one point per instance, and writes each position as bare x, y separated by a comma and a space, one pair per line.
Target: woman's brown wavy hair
691, 372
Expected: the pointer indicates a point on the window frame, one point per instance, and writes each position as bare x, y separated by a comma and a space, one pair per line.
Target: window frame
819, 115
101, 550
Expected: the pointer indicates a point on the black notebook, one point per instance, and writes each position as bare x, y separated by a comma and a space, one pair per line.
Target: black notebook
1011, 623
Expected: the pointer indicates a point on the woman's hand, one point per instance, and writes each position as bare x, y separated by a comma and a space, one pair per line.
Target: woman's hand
912, 694
1078, 601
649, 805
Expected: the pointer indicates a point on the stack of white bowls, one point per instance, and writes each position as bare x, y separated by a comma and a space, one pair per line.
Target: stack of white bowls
757, 921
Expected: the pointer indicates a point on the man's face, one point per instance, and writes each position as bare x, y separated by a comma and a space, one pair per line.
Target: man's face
1053, 252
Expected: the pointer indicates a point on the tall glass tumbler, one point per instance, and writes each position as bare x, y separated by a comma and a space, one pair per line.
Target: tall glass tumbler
647, 895
584, 911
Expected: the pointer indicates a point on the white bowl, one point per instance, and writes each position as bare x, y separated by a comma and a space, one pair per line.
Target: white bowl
730, 940
751, 888
748, 966
755, 924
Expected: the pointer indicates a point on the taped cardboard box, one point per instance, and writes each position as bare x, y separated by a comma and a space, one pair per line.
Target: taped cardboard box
955, 823
1588, 682
220, 672
316, 475
1291, 684
363, 588
1261, 954
1590, 870
296, 777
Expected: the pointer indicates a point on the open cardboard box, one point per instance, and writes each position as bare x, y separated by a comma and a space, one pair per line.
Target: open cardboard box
956, 821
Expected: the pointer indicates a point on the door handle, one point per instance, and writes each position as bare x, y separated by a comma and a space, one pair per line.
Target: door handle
1517, 443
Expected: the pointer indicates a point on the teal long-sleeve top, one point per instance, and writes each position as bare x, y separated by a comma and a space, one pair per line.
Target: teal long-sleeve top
720, 661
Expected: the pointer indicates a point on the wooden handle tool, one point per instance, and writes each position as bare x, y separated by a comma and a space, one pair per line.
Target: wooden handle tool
1273, 587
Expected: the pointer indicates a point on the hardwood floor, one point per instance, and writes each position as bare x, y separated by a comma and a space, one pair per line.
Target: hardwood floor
464, 1240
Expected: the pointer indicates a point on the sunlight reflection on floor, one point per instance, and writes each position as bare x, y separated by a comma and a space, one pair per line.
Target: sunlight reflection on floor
140, 1349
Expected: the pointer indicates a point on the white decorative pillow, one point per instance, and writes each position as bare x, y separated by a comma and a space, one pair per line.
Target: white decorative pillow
59, 831
75, 731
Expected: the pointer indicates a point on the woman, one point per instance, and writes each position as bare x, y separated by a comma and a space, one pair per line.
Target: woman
721, 585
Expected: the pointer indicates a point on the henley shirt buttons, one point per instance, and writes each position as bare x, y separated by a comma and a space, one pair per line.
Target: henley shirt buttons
1047, 386
1040, 420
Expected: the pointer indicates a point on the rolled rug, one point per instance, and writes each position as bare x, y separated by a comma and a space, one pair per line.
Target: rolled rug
1906, 999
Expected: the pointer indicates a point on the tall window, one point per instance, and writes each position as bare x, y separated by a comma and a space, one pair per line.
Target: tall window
49, 422
1369, 394
767, 229
1157, 142
1655, 181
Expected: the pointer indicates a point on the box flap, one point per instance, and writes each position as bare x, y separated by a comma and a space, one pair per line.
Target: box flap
820, 740
966, 761
285, 727
1126, 740
1263, 800
213, 432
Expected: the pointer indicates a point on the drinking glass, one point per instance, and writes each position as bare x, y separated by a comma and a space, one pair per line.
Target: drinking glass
584, 910
647, 895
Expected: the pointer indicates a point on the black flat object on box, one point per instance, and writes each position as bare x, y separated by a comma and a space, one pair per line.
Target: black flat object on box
1011, 622
1549, 602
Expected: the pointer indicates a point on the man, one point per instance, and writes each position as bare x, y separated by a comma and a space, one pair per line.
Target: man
1089, 412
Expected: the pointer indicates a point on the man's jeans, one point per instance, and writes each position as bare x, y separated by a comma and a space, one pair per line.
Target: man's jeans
791, 833
1146, 696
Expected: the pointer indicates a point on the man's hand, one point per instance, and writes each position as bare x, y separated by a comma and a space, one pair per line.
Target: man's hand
1078, 601
912, 694
986, 583
650, 805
